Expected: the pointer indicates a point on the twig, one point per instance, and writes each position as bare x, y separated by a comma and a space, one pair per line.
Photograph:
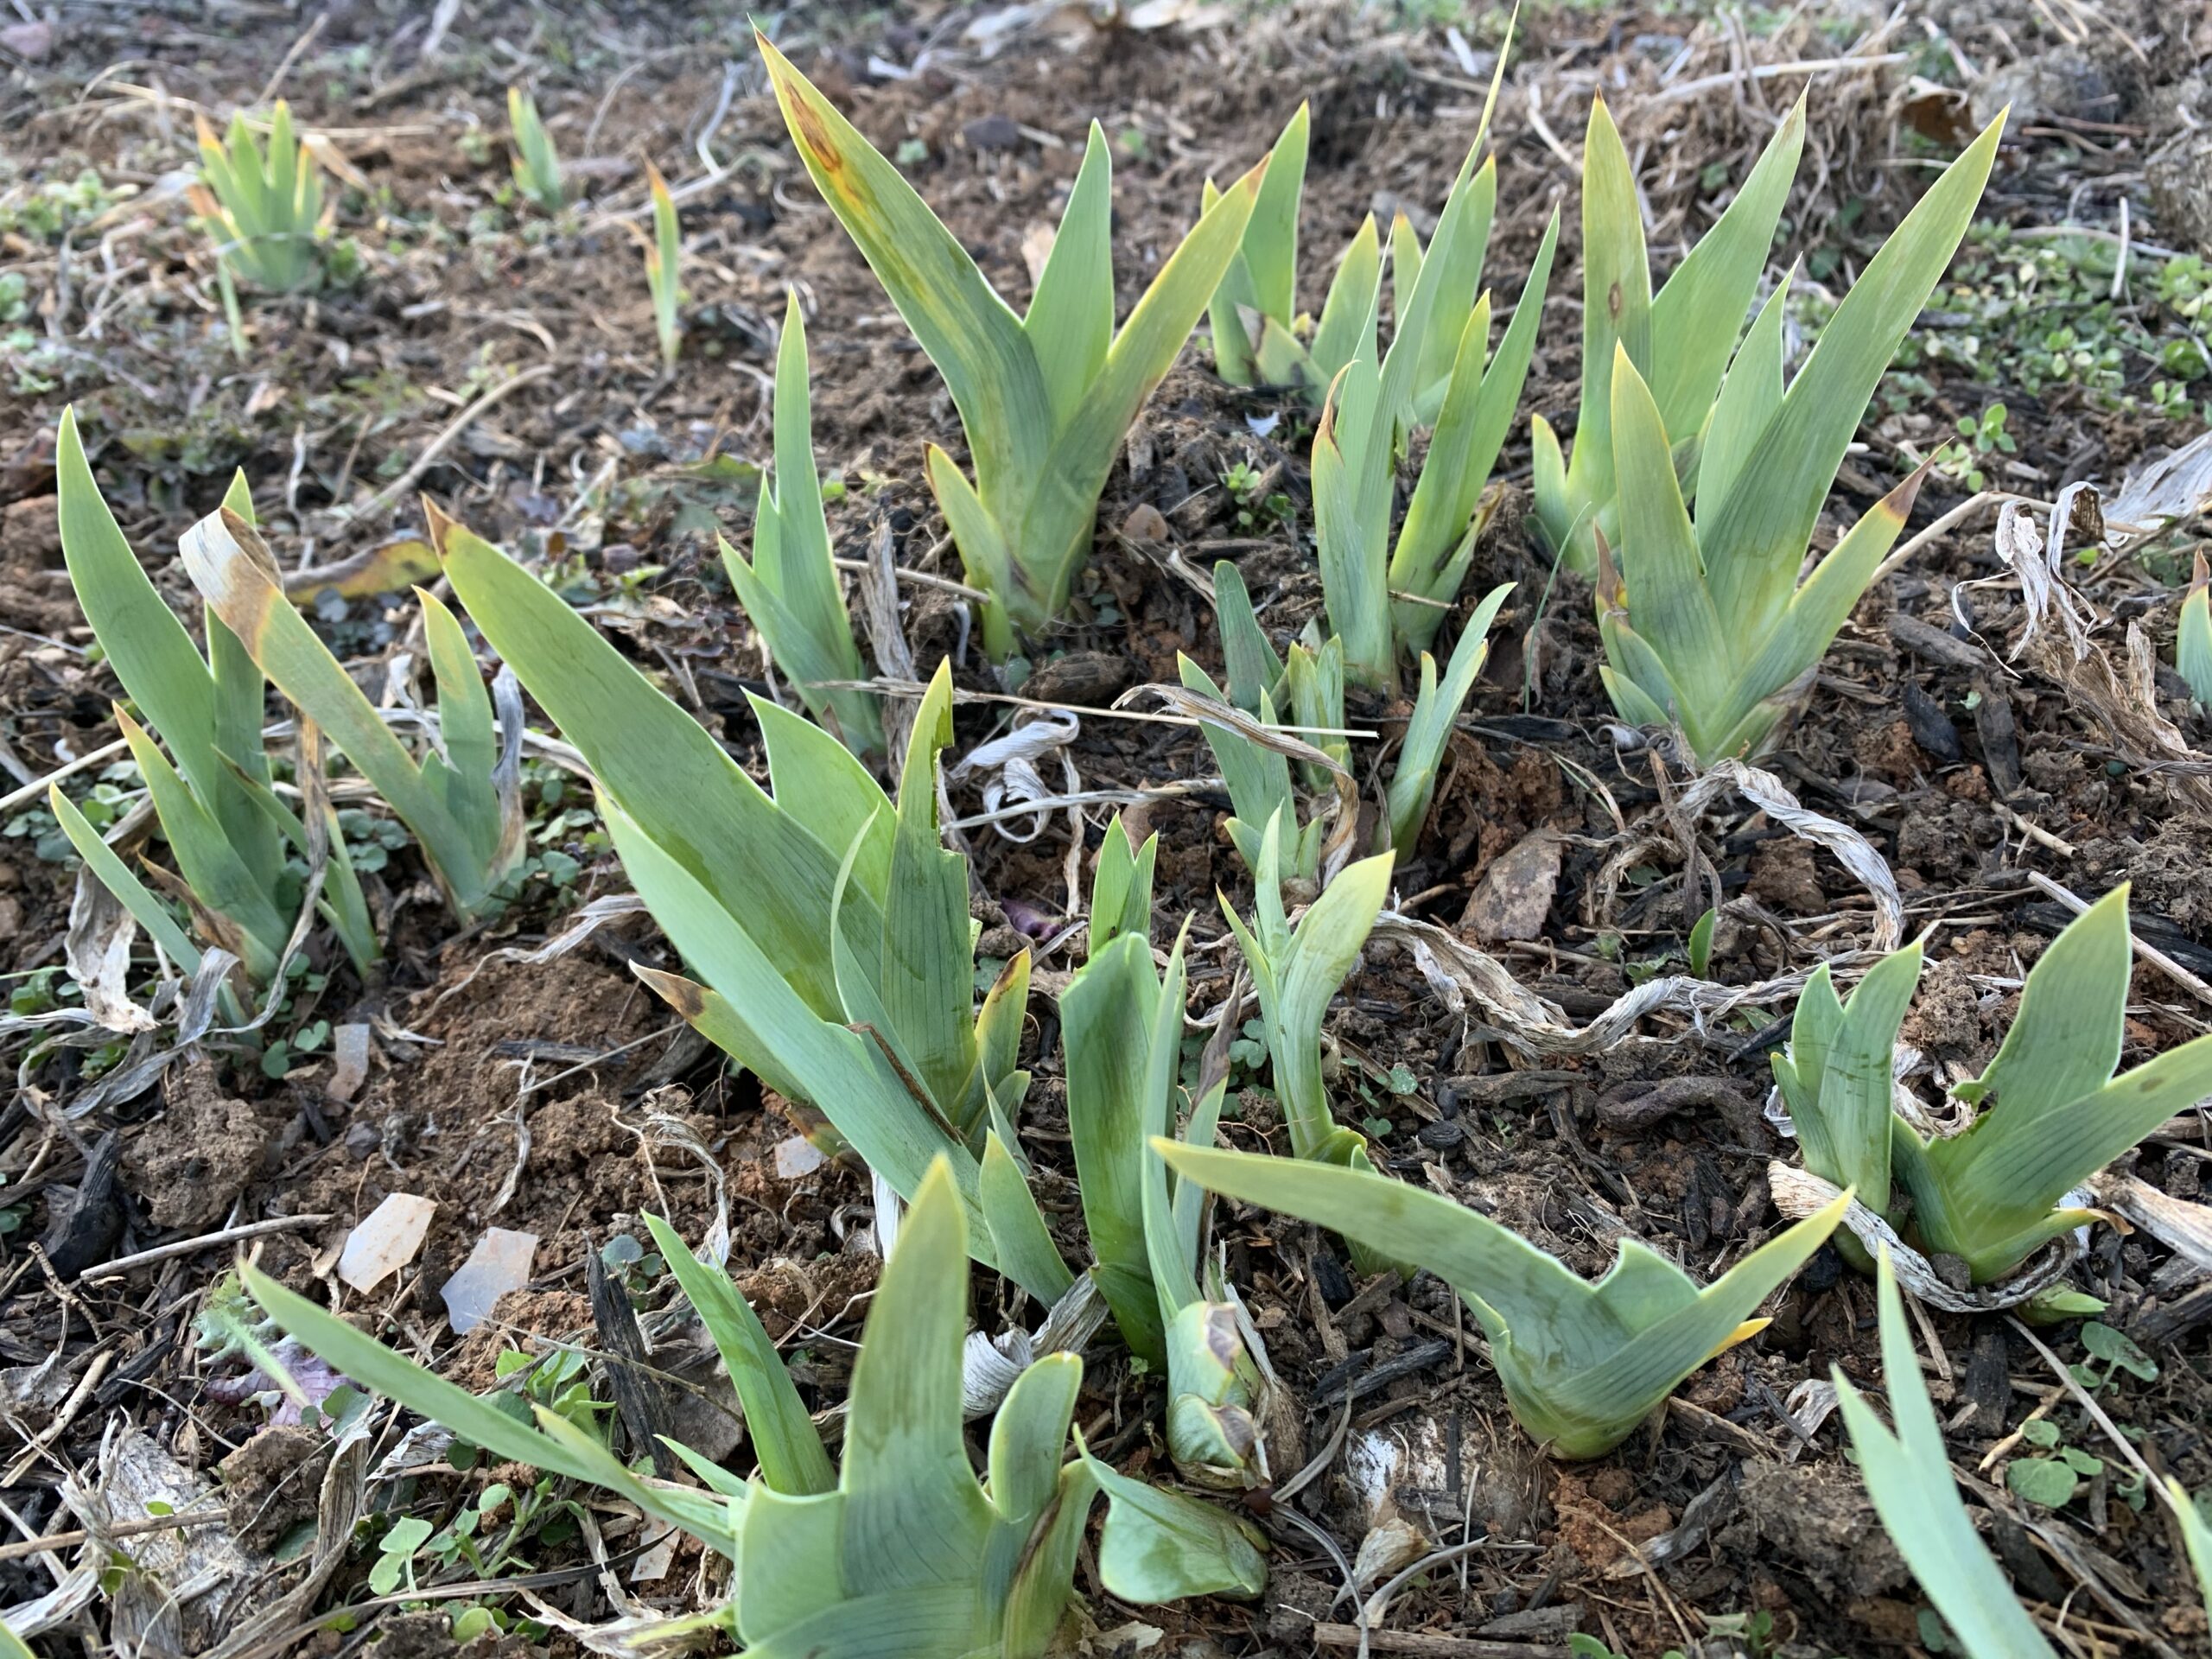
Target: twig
603, 1059
889, 688
36, 787
1773, 72
123, 1529
459, 423
284, 66
1957, 515
2034, 832
1433, 1644
123, 1264
1043, 804
2150, 953
920, 578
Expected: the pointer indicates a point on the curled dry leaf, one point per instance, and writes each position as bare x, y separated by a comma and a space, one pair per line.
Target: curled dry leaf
1852, 850
1515, 894
1799, 1192
98, 952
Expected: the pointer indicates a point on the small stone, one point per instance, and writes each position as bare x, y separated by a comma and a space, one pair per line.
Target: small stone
1146, 523
1091, 678
1515, 893
30, 41
992, 132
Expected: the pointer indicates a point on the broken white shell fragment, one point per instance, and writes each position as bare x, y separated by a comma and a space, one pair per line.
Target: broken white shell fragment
386, 1242
501, 1263
795, 1157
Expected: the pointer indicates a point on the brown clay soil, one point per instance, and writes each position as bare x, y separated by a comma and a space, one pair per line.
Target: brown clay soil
551, 1095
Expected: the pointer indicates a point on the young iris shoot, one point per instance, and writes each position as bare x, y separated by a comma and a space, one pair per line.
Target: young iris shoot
1680, 340
1306, 689
828, 929
663, 277
1582, 1364
900, 1548
2193, 637
1379, 593
789, 587
2052, 1112
463, 798
1123, 1030
1704, 621
234, 838
1044, 399
1428, 729
536, 165
1254, 305
1256, 338
1295, 972
1121, 887
1908, 1474
1306, 686
264, 208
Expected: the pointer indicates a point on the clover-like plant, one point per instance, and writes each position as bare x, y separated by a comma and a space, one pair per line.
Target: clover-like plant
827, 928
2051, 1111
1045, 398
1123, 1025
1582, 1364
536, 164
1703, 618
234, 840
463, 798
263, 207
789, 587
1908, 1474
899, 1547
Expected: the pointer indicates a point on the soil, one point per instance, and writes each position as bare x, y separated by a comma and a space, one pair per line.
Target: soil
553, 1095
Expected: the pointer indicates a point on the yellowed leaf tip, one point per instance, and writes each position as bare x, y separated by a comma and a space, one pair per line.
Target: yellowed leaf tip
1897, 504
687, 998
1743, 1332
440, 523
